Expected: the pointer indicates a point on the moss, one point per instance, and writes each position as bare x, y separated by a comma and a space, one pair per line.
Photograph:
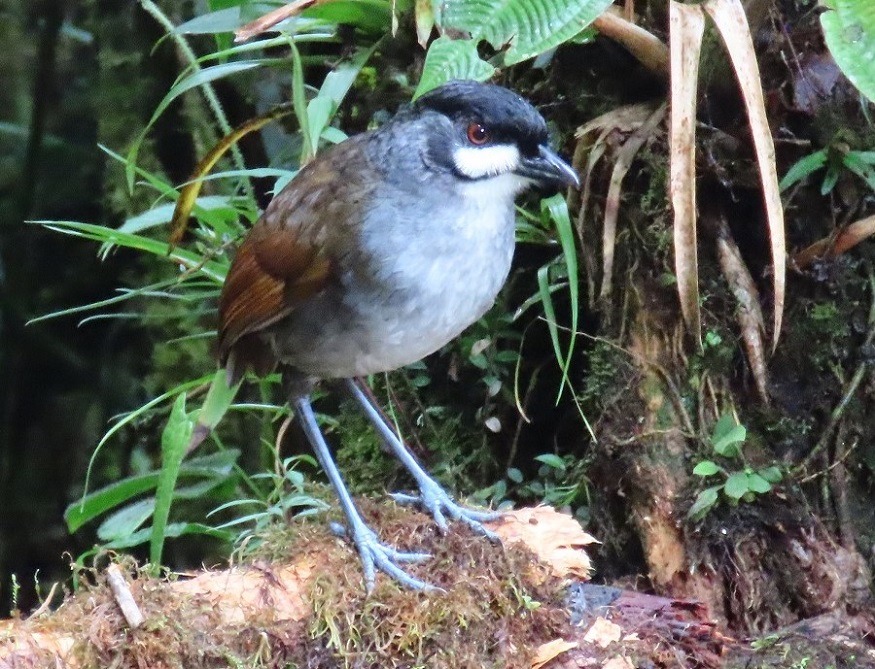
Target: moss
488, 616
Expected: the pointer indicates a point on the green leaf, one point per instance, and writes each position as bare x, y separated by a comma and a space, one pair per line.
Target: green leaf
126, 520
452, 59
112, 237
706, 468
515, 475
370, 16
758, 484
174, 441
705, 501
849, 30
171, 531
557, 208
335, 87
529, 27
860, 167
803, 168
551, 460
830, 179
215, 406
187, 83
727, 433
771, 474
736, 486
216, 465
162, 214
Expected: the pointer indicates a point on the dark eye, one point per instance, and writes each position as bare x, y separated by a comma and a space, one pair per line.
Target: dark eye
477, 134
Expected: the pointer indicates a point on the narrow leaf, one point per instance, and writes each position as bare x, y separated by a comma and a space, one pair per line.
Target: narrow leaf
174, 441
731, 21
687, 25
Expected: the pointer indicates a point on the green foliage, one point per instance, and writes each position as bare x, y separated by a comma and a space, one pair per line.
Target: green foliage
449, 59
559, 482
518, 29
276, 497
191, 277
834, 158
849, 30
738, 485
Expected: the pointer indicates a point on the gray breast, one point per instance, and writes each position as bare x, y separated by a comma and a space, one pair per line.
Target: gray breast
428, 267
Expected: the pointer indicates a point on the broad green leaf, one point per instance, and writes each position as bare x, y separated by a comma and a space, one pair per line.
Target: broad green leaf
727, 434
771, 474
529, 27
706, 468
174, 441
126, 520
849, 30
551, 460
705, 501
370, 16
758, 484
449, 59
736, 486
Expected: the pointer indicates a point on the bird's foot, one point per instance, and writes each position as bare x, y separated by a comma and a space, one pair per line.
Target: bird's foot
441, 506
376, 555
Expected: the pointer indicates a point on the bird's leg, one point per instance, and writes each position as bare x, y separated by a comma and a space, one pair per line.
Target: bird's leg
431, 495
374, 555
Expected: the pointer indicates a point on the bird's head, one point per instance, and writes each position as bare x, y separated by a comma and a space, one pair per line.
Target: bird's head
480, 132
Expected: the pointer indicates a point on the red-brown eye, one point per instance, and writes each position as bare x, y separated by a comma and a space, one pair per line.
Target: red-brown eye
477, 134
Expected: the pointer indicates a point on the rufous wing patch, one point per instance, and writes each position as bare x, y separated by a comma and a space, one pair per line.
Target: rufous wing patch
272, 273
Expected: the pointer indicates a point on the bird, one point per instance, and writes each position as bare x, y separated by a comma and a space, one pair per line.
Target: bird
381, 250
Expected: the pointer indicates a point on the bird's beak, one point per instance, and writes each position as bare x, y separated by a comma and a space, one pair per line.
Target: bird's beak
548, 169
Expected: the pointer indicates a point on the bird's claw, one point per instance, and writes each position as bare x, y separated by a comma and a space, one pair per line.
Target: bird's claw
438, 503
375, 555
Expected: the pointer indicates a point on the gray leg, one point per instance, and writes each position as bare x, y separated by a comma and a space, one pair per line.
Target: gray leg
431, 495
374, 555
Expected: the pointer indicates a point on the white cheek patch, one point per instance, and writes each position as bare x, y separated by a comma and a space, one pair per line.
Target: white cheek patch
486, 161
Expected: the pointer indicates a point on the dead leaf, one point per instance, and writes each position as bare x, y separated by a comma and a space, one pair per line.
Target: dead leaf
837, 243
267, 21
603, 633
618, 662
556, 539
625, 156
547, 651
650, 51
687, 25
748, 312
731, 22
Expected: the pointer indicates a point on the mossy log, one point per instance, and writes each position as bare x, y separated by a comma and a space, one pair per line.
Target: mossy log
506, 605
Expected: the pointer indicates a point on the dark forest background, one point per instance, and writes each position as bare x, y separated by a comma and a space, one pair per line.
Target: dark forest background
76, 75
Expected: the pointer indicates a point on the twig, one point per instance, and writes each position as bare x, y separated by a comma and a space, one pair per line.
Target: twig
47, 602
123, 597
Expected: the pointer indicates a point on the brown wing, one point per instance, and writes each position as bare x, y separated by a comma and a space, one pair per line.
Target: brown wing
287, 257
